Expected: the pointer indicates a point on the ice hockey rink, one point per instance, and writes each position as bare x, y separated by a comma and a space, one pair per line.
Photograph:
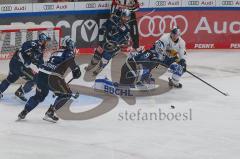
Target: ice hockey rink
212, 132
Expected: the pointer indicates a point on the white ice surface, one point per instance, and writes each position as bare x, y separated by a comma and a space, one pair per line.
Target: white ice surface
213, 132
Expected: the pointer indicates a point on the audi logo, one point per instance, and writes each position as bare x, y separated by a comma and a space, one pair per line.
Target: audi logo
157, 25
91, 5
6, 8
227, 3
48, 7
193, 3
161, 3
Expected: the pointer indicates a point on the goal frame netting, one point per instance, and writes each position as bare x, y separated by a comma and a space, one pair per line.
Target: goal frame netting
24, 29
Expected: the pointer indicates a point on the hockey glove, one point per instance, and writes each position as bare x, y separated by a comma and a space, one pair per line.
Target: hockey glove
182, 62
37, 58
76, 72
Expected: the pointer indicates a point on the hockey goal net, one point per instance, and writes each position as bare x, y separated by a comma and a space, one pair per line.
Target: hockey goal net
12, 37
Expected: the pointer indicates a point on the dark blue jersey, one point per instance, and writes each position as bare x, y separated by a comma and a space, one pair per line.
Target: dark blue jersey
59, 62
31, 52
114, 30
149, 59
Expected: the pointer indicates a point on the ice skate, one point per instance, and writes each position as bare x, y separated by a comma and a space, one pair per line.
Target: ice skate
174, 83
1, 95
22, 115
49, 115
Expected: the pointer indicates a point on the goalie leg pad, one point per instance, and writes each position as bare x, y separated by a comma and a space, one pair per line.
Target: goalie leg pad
127, 76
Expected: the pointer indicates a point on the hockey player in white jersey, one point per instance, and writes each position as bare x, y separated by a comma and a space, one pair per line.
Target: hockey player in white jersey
174, 56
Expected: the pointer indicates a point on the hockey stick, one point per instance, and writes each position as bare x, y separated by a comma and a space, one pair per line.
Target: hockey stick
70, 80
74, 96
226, 94
223, 93
142, 16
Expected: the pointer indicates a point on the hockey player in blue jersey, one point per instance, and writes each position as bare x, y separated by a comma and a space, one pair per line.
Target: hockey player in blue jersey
31, 52
138, 67
113, 35
51, 77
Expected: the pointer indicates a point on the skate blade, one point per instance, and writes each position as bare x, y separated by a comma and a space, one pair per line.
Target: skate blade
20, 120
49, 119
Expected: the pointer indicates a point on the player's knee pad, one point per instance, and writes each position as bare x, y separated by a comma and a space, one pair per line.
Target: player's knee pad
176, 69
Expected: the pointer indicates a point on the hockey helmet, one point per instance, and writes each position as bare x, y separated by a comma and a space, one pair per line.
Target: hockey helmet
42, 37
68, 43
125, 15
175, 33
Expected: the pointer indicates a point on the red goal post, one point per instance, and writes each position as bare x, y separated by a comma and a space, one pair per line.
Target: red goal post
13, 36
